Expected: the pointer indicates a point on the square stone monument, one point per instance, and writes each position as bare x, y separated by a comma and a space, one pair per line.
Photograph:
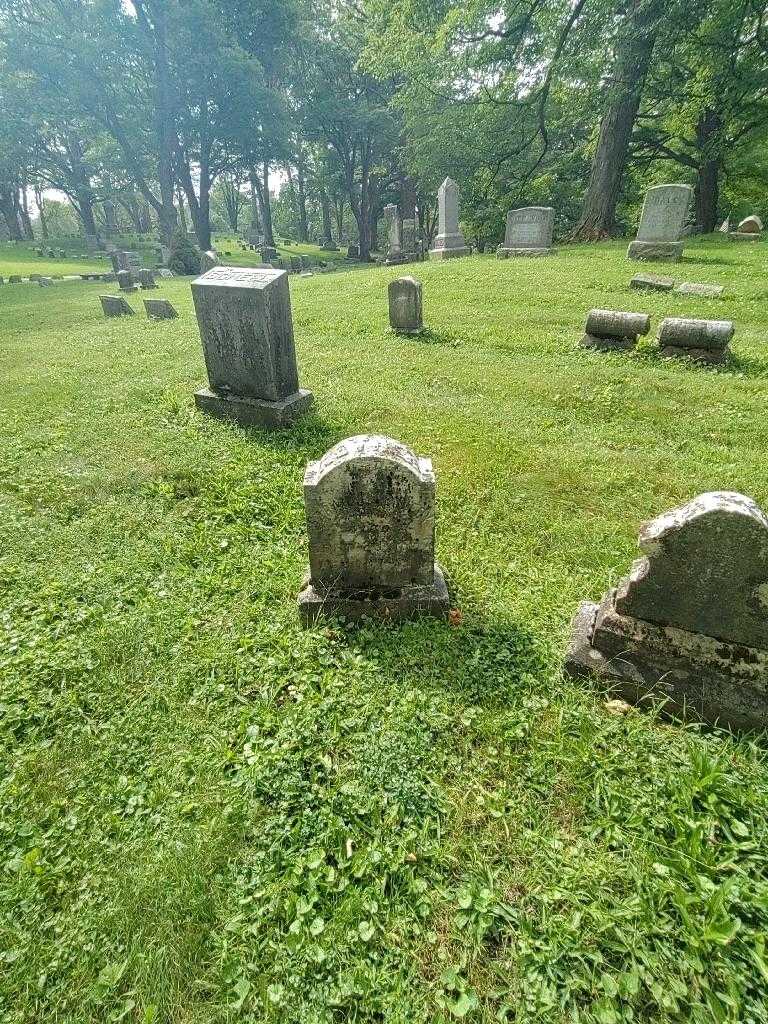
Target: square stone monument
449, 241
370, 506
662, 221
528, 232
246, 327
689, 625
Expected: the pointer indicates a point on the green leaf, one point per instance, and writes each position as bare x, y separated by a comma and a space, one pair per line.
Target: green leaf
317, 926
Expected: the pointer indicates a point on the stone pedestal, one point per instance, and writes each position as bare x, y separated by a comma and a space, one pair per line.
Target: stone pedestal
528, 232
449, 242
370, 506
661, 252
246, 328
689, 625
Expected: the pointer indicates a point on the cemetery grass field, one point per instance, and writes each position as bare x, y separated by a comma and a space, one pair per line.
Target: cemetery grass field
210, 815
21, 259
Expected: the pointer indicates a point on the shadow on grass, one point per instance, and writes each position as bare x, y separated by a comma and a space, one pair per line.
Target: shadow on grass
711, 261
311, 435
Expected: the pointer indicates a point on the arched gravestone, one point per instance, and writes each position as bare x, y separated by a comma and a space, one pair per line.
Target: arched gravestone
370, 506
662, 221
690, 622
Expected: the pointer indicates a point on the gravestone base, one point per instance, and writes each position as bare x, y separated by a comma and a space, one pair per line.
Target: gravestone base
700, 355
398, 605
502, 253
254, 412
744, 236
663, 252
450, 254
608, 344
652, 283
695, 674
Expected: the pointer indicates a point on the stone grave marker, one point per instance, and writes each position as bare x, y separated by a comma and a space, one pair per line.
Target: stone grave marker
410, 242
689, 625
159, 309
662, 221
14, 279
528, 232
651, 282
45, 282
245, 322
115, 305
394, 243
405, 305
707, 291
353, 252
125, 281
610, 330
147, 279
449, 242
703, 340
748, 230
370, 506
165, 272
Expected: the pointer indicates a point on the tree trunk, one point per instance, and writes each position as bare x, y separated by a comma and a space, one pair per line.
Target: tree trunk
110, 222
41, 213
260, 182
325, 207
708, 172
634, 49
10, 216
26, 220
84, 207
339, 212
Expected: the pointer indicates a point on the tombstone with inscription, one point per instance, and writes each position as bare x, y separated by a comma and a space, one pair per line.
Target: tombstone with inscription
125, 281
662, 221
127, 261
245, 322
115, 305
370, 506
689, 625
528, 232
159, 309
449, 242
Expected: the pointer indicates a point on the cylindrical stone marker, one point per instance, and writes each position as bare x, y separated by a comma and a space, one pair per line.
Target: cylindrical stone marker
612, 323
684, 333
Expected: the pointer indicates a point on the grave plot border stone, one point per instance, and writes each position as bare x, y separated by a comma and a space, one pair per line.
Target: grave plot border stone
689, 625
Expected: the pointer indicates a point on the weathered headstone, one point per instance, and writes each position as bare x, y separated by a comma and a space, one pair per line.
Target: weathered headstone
690, 623
708, 291
159, 309
245, 323
449, 241
748, 230
208, 260
45, 282
611, 330
165, 272
115, 305
410, 242
370, 506
650, 282
703, 340
661, 224
125, 281
405, 305
295, 263
127, 261
528, 232
147, 279
268, 253
2, 279
14, 279
353, 252
35, 277
394, 244
113, 256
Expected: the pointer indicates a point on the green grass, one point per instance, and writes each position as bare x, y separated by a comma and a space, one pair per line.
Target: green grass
209, 815
242, 257
21, 258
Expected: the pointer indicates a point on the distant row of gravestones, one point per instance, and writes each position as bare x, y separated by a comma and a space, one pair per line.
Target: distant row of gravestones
529, 231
